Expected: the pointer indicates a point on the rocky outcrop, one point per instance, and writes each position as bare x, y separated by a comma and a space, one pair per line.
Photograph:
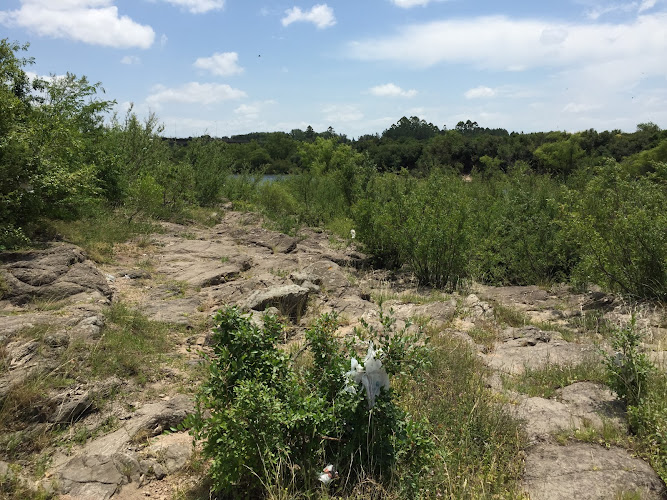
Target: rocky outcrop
290, 300
59, 272
530, 347
588, 472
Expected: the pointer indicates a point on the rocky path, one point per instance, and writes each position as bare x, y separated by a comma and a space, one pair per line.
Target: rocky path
111, 442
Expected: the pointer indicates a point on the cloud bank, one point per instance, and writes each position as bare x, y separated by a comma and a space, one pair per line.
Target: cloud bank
96, 22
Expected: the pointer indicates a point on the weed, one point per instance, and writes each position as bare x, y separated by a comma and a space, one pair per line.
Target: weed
509, 316
224, 259
97, 236
628, 369
4, 286
129, 346
544, 381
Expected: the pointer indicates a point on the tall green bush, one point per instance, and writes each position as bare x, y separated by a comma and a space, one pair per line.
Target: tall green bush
422, 223
620, 224
265, 422
520, 229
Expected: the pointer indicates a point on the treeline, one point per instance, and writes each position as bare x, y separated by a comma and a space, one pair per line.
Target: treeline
419, 146
451, 205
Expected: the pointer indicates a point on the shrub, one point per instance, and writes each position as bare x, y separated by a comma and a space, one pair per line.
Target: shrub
519, 227
628, 369
644, 389
422, 223
263, 420
620, 224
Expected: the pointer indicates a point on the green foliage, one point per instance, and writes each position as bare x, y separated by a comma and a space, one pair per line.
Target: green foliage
520, 234
644, 389
48, 140
620, 224
478, 444
629, 369
263, 420
649, 421
425, 224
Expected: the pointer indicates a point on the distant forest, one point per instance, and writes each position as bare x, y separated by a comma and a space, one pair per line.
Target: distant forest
419, 146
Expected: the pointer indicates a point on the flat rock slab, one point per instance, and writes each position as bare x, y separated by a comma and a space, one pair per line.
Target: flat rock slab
594, 402
204, 274
92, 477
574, 407
587, 472
56, 273
530, 347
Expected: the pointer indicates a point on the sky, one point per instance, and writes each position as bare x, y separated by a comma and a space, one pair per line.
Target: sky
224, 67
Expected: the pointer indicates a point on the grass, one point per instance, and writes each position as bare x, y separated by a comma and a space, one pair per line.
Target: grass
409, 297
608, 435
509, 316
12, 488
98, 235
486, 334
130, 345
478, 444
594, 322
546, 380
177, 288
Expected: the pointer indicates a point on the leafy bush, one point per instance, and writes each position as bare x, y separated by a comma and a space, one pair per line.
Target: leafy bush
425, 224
644, 389
629, 368
520, 230
263, 420
620, 224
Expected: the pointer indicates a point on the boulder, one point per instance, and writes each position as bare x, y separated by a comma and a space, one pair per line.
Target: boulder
290, 300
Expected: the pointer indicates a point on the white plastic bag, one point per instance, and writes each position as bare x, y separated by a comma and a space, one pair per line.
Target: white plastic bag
372, 376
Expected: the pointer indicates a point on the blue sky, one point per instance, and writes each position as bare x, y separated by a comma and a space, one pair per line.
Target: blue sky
225, 67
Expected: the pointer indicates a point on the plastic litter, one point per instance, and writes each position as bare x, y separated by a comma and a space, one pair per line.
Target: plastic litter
328, 474
372, 376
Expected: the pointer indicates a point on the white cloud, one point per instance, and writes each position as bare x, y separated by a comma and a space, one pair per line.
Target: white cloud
480, 92
252, 110
341, 113
194, 93
407, 4
646, 5
96, 22
320, 15
220, 63
47, 78
391, 90
198, 6
130, 60
502, 43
